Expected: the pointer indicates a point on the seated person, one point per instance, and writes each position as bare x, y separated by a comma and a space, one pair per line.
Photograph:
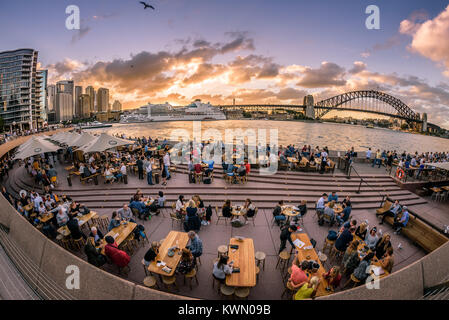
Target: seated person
277, 213
351, 259
180, 206
198, 168
42, 210
343, 216
62, 218
320, 204
393, 212
152, 253
115, 221
360, 272
344, 239
142, 209
372, 238
299, 270
93, 254
387, 261
96, 234
333, 197
347, 202
222, 268
118, 257
160, 200
329, 212
191, 210
361, 230
227, 209
125, 213
401, 222
249, 209
308, 290
187, 263
382, 245
241, 171
74, 228
108, 176
333, 277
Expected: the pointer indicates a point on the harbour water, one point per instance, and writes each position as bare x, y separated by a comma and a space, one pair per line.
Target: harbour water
334, 136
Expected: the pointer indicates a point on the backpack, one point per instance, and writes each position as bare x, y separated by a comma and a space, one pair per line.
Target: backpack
209, 212
207, 180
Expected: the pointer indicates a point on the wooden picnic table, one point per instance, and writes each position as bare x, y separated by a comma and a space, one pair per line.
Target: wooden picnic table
436, 189
81, 221
28, 207
292, 159
310, 254
46, 217
244, 259
238, 212
362, 254
173, 238
122, 231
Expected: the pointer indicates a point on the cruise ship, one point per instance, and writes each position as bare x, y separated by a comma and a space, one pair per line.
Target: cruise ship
165, 112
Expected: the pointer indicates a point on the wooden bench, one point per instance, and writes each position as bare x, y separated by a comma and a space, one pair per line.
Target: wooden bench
421, 233
384, 208
86, 179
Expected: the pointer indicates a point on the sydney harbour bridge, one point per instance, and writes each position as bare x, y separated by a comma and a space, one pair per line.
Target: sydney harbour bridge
367, 101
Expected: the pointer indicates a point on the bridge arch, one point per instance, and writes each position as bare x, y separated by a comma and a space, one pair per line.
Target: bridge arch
403, 111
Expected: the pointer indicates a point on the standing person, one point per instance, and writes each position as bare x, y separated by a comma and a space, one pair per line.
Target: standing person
163, 172
140, 167
286, 235
368, 155
149, 171
195, 244
167, 165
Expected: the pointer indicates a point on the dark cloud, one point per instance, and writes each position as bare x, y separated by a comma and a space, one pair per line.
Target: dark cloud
328, 74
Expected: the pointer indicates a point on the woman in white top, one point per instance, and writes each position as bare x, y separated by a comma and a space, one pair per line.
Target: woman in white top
180, 206
108, 175
250, 210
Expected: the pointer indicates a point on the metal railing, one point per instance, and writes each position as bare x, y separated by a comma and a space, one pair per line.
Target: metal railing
349, 171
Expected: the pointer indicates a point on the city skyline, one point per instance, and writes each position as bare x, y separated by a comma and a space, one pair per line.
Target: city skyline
255, 52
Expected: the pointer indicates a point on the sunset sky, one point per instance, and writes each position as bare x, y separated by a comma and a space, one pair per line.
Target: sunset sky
255, 51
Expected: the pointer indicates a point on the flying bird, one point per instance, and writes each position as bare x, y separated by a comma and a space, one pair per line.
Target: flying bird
146, 5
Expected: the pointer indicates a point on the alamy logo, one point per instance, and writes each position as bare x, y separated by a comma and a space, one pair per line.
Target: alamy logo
73, 20
73, 280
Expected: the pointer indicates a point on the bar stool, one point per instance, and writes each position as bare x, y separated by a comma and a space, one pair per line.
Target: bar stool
104, 222
169, 281
288, 274
328, 243
198, 177
289, 290
260, 257
335, 253
353, 279
257, 273
145, 268
227, 291
242, 293
222, 250
78, 244
150, 282
191, 275
284, 258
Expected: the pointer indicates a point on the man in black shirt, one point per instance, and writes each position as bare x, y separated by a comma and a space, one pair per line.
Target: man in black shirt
74, 228
286, 235
140, 168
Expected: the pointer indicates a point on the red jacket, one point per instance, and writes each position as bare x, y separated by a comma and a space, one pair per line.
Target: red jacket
118, 257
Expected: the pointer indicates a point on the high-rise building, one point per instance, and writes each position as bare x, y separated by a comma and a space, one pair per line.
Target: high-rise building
64, 100
85, 103
19, 106
117, 106
78, 93
42, 76
102, 100
51, 103
91, 92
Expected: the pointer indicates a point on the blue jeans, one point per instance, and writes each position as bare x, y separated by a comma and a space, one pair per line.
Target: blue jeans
150, 177
167, 172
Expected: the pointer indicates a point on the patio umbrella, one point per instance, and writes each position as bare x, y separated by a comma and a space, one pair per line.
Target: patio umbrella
34, 147
103, 143
69, 137
83, 139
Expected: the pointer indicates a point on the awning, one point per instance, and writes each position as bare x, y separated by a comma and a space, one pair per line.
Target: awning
103, 143
34, 147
